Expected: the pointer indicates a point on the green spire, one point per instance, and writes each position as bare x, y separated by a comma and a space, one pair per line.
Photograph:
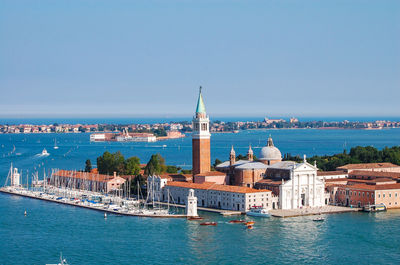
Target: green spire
200, 104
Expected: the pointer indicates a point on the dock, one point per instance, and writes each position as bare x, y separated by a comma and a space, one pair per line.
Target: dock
26, 195
205, 209
328, 209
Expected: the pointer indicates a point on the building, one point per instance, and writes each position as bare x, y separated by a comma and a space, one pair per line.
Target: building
383, 167
364, 187
295, 184
248, 172
339, 174
86, 181
217, 196
201, 158
211, 176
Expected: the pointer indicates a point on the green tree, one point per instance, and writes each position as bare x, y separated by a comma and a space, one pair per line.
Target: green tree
109, 163
172, 169
88, 165
132, 166
155, 166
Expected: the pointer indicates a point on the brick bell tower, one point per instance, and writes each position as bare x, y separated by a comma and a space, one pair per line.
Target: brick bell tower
201, 159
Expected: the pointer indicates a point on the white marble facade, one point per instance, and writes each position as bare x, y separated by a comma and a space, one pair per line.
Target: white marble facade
303, 189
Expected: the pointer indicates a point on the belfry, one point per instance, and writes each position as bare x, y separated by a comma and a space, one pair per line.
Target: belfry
201, 159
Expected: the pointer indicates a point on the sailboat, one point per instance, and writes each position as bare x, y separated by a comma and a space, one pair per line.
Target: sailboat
55, 144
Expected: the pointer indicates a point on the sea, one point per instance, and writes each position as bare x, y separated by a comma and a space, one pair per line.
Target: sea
85, 237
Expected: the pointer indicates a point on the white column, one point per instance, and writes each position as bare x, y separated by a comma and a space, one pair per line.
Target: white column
298, 192
314, 187
293, 183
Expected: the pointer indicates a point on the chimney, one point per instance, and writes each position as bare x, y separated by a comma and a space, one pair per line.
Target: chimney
115, 174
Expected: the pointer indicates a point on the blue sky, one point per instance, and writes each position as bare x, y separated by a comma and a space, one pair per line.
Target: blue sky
148, 58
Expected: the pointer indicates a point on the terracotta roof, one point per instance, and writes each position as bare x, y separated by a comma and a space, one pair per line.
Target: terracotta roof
270, 182
83, 175
371, 181
213, 186
368, 165
373, 187
374, 174
330, 173
211, 174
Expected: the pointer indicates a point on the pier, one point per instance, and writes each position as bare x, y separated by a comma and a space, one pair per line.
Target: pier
328, 209
36, 195
212, 210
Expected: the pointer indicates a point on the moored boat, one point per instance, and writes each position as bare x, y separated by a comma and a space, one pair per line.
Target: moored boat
237, 221
209, 223
258, 211
374, 208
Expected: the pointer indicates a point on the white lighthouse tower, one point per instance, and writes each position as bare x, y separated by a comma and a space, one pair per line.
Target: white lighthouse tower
14, 176
191, 204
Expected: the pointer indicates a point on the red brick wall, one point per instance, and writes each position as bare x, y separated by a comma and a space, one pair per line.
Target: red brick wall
201, 159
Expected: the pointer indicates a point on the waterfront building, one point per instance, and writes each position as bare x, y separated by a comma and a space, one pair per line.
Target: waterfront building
295, 184
201, 158
369, 193
365, 187
217, 196
383, 167
86, 181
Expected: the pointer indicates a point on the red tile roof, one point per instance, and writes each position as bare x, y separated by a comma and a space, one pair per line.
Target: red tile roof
211, 174
213, 186
83, 175
330, 173
378, 174
368, 165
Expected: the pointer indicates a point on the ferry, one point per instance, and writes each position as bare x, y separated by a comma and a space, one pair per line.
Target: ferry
374, 208
258, 211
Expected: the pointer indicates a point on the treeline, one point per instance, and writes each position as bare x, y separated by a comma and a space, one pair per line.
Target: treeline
108, 163
356, 155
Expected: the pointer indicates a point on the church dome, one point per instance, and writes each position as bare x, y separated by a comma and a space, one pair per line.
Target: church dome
270, 152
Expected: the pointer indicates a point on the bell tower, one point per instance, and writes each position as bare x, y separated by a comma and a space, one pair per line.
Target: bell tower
201, 159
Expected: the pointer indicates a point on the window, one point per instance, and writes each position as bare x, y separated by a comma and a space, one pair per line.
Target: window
390, 195
384, 195
363, 194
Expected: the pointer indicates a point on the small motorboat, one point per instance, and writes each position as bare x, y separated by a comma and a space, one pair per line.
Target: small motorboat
319, 219
249, 226
195, 218
44, 152
209, 223
237, 221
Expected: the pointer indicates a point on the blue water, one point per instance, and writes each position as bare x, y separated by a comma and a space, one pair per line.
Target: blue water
84, 237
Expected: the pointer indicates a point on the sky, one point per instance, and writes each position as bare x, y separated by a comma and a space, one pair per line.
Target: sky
122, 58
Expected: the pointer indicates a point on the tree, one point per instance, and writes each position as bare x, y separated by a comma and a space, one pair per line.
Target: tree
109, 163
172, 169
155, 166
217, 162
132, 166
88, 166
